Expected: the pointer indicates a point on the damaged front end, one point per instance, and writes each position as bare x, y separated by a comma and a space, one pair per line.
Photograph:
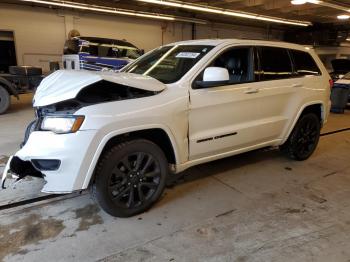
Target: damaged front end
19, 169
56, 145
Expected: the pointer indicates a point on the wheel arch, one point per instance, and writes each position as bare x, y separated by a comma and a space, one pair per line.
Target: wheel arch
317, 107
160, 135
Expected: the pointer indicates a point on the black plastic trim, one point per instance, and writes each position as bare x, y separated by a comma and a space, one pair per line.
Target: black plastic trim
46, 164
216, 137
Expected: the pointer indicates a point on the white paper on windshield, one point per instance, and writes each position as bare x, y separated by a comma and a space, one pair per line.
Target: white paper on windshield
191, 55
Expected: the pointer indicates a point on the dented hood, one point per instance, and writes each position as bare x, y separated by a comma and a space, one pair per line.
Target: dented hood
66, 84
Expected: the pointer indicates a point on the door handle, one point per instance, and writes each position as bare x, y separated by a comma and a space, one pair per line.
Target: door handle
297, 85
252, 91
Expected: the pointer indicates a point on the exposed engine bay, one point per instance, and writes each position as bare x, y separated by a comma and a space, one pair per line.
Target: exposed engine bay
100, 92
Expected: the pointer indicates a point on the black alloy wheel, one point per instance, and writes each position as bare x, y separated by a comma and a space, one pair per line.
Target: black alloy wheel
130, 177
134, 180
304, 138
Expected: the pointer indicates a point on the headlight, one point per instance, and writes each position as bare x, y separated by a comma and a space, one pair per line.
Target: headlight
62, 125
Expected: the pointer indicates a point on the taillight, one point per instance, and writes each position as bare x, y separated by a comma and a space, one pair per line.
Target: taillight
331, 83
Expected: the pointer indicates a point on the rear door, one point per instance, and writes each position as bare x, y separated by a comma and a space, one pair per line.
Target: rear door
278, 88
310, 80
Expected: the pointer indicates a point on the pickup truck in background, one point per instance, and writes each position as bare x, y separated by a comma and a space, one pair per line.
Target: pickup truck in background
19, 80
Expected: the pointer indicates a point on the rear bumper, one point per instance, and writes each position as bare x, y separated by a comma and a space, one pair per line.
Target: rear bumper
62, 160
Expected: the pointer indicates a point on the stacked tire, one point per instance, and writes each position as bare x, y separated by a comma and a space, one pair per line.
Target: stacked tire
25, 70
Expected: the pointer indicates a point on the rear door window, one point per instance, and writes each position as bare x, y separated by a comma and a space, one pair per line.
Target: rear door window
275, 63
304, 63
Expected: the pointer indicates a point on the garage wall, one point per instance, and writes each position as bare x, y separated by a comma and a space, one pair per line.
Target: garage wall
144, 33
235, 31
39, 35
40, 32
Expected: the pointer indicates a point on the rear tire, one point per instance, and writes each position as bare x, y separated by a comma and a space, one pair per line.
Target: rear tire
130, 178
5, 100
304, 138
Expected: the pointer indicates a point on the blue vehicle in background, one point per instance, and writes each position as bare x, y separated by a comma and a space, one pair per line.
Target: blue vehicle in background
97, 54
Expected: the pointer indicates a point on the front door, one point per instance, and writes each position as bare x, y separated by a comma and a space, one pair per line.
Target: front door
223, 118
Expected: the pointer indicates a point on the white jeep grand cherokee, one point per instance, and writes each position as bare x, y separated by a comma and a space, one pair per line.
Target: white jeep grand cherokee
177, 106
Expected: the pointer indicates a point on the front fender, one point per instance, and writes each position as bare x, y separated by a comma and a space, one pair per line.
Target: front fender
110, 135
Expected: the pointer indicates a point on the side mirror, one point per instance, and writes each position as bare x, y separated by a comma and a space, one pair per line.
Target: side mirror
213, 76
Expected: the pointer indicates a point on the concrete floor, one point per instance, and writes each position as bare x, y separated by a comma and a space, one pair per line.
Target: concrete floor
258, 206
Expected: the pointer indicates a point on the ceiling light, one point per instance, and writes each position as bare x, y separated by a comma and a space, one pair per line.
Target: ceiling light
209, 9
110, 10
343, 17
301, 2
322, 3
298, 2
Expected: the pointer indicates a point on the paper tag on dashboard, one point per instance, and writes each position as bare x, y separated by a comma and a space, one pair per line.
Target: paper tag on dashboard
191, 55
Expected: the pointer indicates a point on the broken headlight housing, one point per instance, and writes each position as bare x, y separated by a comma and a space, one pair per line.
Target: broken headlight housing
62, 124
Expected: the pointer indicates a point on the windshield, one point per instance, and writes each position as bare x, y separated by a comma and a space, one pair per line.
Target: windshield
168, 64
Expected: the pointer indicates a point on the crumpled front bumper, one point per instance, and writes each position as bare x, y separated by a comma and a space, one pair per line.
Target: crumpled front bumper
19, 169
5, 173
73, 151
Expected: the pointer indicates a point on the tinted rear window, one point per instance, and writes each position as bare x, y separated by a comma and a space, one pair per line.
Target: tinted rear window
275, 63
304, 63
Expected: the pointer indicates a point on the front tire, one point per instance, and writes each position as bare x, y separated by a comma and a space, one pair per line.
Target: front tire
130, 178
304, 138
